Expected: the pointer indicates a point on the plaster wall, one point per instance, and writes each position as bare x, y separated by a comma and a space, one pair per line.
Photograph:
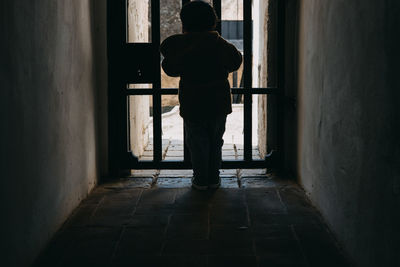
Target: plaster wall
52, 112
138, 32
260, 71
348, 116
232, 9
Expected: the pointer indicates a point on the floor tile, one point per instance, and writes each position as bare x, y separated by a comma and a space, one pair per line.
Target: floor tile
189, 247
133, 222
176, 173
232, 261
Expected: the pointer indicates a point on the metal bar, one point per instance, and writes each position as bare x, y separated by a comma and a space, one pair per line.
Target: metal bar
281, 83
125, 127
116, 39
140, 92
177, 165
174, 91
234, 78
256, 91
248, 82
186, 153
155, 22
218, 10
247, 90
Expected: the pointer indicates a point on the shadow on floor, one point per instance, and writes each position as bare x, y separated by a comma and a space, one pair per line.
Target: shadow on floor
265, 222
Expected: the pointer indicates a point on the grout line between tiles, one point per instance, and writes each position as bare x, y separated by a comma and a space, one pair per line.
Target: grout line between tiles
299, 245
115, 249
280, 199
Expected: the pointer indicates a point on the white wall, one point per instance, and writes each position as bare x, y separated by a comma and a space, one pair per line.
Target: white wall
260, 72
53, 114
138, 25
349, 157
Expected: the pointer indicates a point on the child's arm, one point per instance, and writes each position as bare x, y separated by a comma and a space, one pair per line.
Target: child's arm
172, 62
231, 57
171, 66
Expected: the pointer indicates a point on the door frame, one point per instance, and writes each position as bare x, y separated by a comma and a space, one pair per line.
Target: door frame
122, 55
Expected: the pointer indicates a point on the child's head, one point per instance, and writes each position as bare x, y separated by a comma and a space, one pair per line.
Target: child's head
198, 16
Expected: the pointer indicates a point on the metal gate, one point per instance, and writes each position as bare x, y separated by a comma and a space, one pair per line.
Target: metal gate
138, 63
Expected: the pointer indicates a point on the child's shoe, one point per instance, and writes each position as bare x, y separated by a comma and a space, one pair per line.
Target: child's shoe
215, 183
196, 184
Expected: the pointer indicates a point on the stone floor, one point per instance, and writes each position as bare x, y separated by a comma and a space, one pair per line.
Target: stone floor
163, 222
174, 150
172, 136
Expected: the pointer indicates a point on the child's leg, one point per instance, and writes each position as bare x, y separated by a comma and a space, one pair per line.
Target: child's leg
216, 132
197, 140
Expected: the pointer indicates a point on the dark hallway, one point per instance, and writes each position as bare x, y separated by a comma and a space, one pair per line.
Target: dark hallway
335, 202
266, 222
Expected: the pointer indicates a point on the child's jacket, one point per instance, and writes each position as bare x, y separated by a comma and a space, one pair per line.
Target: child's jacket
203, 60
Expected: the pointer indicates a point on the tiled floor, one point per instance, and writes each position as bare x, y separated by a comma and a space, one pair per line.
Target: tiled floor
163, 222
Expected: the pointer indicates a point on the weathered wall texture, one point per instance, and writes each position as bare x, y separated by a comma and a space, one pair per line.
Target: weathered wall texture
260, 71
232, 9
349, 122
52, 111
138, 25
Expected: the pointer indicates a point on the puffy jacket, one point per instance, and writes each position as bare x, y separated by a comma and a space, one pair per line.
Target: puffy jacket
203, 60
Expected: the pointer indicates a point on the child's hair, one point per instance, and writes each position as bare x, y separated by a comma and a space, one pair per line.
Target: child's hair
198, 16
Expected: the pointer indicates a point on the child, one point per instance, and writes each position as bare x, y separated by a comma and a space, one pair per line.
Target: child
203, 60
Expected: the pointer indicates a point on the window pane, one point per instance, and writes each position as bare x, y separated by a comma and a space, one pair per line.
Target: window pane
170, 24
172, 128
139, 21
140, 127
232, 31
139, 86
233, 136
258, 126
264, 43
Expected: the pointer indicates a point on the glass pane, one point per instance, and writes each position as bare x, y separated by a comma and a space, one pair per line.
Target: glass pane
258, 124
139, 21
170, 24
139, 86
232, 10
168, 81
264, 43
232, 31
140, 127
172, 128
233, 136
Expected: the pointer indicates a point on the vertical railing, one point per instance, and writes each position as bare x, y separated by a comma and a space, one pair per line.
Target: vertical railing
248, 79
186, 152
157, 128
217, 7
118, 104
281, 84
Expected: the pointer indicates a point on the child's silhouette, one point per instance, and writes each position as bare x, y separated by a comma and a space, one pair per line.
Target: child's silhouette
203, 60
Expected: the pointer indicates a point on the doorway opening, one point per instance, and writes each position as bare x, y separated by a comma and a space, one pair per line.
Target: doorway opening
154, 129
